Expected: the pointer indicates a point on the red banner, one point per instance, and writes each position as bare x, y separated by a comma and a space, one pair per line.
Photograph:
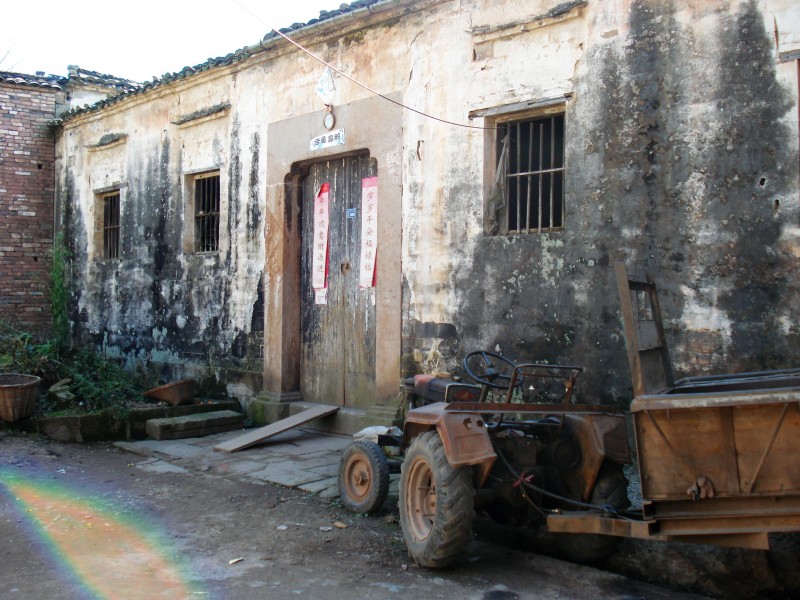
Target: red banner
319, 263
369, 232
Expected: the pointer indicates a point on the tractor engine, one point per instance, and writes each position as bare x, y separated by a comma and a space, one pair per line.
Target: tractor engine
539, 454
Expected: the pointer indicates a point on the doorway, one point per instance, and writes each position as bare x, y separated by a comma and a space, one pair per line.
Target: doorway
337, 355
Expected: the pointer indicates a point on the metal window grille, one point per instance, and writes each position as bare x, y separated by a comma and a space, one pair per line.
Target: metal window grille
111, 225
534, 173
206, 213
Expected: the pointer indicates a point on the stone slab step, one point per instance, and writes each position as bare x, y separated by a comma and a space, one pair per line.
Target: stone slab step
196, 425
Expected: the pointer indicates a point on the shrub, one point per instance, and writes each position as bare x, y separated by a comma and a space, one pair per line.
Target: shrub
96, 382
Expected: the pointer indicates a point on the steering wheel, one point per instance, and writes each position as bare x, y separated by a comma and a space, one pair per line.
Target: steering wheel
490, 369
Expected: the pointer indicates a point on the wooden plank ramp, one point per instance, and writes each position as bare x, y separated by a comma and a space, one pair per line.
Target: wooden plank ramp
251, 438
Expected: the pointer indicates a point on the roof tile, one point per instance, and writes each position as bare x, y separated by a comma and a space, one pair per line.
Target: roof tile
229, 59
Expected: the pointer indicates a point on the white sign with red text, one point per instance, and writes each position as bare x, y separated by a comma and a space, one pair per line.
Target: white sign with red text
369, 232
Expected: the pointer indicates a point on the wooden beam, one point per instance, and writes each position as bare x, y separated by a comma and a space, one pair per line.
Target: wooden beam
251, 438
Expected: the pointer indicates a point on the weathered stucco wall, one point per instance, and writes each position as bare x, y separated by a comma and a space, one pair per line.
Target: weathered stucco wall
681, 152
188, 313
681, 158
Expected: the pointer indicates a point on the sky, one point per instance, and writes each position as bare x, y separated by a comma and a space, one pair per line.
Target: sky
138, 39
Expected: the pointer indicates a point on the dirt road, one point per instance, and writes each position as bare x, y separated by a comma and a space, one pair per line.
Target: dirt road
92, 521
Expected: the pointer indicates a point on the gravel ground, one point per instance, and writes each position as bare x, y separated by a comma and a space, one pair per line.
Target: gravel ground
92, 521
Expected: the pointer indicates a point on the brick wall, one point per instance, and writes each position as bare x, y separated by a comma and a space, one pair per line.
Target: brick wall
27, 156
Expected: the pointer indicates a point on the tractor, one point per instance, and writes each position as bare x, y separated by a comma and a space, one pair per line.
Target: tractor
718, 455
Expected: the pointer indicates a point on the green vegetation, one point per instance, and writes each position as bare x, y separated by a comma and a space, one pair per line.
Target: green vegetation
58, 294
84, 381
95, 383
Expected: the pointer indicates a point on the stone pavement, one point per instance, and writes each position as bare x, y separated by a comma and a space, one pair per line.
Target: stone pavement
299, 458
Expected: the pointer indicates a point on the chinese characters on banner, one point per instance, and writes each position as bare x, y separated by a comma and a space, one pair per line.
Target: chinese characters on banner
369, 232
319, 263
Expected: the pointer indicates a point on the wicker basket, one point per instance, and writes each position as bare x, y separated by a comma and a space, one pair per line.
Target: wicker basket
18, 395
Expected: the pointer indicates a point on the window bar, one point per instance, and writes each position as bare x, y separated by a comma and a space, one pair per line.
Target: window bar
116, 227
212, 218
519, 178
116, 230
541, 175
106, 212
552, 164
113, 204
215, 240
198, 211
528, 178
201, 214
505, 154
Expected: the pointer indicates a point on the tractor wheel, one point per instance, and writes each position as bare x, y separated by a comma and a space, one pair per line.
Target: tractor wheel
610, 489
437, 503
363, 477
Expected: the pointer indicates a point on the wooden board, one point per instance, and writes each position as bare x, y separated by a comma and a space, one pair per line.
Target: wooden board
337, 352
262, 433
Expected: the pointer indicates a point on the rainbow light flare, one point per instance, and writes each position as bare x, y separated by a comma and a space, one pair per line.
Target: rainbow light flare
108, 553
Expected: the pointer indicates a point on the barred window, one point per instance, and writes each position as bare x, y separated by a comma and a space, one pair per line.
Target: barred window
206, 212
528, 191
111, 225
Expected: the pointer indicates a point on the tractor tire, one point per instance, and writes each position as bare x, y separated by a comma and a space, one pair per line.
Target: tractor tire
363, 477
610, 489
437, 503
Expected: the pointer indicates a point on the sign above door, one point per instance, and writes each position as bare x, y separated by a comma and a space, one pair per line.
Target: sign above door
327, 140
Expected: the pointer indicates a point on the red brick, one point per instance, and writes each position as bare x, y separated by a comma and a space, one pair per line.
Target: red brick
24, 143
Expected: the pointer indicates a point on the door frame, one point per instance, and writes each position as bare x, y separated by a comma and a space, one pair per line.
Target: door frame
371, 125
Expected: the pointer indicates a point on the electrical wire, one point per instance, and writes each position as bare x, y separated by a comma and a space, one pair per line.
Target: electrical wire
358, 83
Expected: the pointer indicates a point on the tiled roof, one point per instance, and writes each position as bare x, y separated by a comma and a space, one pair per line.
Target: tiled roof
211, 63
324, 15
48, 81
76, 74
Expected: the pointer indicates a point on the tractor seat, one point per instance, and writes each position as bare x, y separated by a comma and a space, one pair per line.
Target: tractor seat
432, 389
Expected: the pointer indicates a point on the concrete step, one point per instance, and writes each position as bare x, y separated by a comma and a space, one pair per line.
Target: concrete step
196, 425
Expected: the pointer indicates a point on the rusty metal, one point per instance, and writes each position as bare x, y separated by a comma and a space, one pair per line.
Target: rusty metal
175, 393
568, 373
751, 541
691, 471
532, 408
729, 441
747, 449
755, 476
648, 356
713, 525
464, 436
742, 506
718, 455
595, 523
671, 401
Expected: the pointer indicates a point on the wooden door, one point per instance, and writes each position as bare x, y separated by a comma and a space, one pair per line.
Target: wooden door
337, 364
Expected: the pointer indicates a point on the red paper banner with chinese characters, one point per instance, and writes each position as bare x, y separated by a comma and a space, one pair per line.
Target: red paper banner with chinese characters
369, 231
319, 263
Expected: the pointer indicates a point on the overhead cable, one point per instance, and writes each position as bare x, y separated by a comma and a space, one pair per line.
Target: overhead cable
358, 83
